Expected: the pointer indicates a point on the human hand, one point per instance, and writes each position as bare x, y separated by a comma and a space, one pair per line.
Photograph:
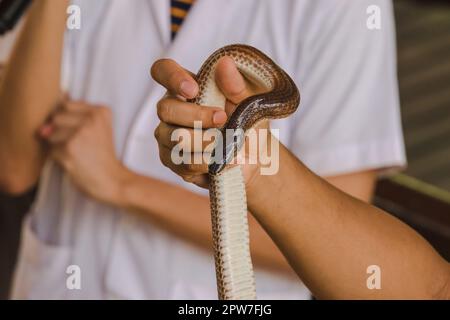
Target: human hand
80, 137
176, 113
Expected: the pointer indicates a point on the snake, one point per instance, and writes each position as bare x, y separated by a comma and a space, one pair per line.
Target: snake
280, 98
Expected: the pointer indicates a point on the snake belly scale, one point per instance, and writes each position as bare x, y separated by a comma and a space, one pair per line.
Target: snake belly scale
281, 98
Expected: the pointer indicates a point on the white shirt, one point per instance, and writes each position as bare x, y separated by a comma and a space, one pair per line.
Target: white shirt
348, 121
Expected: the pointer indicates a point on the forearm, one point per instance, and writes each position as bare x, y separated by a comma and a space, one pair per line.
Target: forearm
29, 90
187, 215
161, 202
331, 238
359, 184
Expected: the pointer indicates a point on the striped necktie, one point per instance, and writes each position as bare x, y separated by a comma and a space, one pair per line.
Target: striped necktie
178, 12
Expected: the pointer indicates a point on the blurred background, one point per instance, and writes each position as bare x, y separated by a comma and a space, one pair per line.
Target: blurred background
423, 30
420, 196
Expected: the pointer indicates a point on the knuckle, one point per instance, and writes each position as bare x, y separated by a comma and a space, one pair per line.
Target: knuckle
57, 118
71, 106
91, 113
188, 178
199, 114
92, 117
163, 110
67, 106
89, 118
153, 69
82, 132
204, 116
69, 148
157, 132
162, 156
192, 168
105, 110
102, 111
107, 114
184, 169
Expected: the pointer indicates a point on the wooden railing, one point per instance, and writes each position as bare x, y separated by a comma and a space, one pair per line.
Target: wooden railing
424, 207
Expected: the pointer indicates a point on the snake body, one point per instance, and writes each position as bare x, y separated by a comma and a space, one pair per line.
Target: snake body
234, 269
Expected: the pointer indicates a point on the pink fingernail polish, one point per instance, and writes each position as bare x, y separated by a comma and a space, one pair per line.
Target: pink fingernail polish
45, 131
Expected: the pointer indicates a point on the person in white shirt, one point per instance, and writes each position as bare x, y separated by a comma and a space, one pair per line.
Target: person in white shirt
105, 202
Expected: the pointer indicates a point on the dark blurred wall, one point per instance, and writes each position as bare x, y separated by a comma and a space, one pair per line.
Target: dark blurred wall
12, 211
423, 36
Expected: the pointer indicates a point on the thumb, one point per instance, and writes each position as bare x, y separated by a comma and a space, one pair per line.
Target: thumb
230, 81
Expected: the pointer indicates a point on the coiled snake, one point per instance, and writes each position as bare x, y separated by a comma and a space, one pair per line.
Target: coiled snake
234, 269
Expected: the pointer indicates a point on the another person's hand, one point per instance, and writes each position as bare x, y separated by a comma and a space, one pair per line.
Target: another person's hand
175, 113
80, 138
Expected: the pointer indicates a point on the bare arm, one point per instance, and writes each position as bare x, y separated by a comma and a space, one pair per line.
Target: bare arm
360, 185
190, 217
331, 238
81, 141
264, 252
29, 91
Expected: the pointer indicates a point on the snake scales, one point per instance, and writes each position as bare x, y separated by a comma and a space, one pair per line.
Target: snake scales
234, 269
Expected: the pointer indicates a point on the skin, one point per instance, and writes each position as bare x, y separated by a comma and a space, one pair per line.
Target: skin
26, 103
37, 122
329, 237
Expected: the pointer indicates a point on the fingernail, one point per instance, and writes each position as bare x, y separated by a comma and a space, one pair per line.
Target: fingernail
219, 117
188, 89
45, 130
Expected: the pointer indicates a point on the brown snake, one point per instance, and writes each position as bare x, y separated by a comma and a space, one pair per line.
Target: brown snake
234, 269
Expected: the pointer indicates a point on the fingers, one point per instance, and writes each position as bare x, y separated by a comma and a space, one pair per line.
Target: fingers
176, 112
174, 78
195, 166
60, 135
59, 154
76, 107
230, 81
189, 159
201, 181
190, 140
65, 122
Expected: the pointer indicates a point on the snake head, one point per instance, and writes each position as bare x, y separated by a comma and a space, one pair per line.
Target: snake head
223, 154
232, 135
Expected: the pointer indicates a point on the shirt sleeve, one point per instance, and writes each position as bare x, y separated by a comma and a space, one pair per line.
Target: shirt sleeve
349, 118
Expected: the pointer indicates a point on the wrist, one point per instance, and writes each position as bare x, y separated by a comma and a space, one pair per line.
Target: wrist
122, 182
267, 164
264, 184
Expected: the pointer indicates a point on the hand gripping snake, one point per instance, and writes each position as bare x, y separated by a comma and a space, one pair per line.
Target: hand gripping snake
234, 269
